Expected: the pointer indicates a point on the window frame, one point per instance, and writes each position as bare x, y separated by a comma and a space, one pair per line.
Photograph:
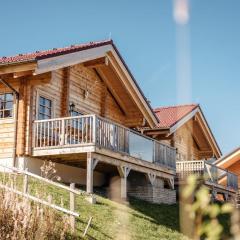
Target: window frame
48, 97
13, 106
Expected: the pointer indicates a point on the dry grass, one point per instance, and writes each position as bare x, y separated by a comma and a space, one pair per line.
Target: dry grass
21, 219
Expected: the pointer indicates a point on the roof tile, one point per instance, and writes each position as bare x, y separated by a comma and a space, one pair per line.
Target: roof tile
169, 116
51, 53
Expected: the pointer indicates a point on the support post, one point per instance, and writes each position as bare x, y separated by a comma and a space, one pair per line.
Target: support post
124, 172
72, 207
91, 164
226, 197
171, 183
214, 194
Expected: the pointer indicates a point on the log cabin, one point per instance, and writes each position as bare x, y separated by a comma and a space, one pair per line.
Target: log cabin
185, 128
80, 107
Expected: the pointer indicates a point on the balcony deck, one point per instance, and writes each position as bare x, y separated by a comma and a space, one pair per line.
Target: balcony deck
214, 177
72, 137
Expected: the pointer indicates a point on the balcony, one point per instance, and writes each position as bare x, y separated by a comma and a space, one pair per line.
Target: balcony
91, 133
212, 175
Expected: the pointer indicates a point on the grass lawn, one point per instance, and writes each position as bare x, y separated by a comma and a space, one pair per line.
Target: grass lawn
111, 220
135, 220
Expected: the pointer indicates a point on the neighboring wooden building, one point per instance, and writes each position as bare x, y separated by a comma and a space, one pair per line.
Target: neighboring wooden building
185, 128
81, 107
231, 162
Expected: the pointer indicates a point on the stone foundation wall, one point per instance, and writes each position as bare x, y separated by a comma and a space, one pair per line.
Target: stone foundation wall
153, 194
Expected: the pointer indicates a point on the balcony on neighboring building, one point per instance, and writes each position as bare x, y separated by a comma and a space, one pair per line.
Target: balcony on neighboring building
212, 175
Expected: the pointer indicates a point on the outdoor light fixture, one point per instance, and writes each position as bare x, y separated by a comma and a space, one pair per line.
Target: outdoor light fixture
71, 107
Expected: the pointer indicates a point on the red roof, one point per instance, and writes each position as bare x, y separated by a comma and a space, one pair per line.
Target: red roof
169, 116
52, 52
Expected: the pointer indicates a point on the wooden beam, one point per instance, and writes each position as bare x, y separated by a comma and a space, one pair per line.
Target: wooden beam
65, 92
194, 136
89, 179
40, 79
112, 91
123, 172
22, 74
22, 117
208, 135
151, 178
138, 165
132, 88
103, 101
96, 62
14, 68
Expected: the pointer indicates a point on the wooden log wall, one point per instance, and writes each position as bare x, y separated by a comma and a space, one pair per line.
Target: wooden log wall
90, 94
7, 126
77, 84
187, 149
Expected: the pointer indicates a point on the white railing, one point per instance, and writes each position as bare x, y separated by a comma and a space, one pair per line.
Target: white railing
64, 131
92, 129
208, 171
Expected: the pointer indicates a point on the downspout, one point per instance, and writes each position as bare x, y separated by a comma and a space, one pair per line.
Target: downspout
16, 94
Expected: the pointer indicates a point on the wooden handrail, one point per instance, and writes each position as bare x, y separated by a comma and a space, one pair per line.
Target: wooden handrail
106, 120
63, 118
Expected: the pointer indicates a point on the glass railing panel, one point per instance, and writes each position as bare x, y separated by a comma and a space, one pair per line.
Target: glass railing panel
232, 181
140, 147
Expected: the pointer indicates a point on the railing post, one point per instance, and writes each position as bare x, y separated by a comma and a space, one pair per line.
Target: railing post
25, 183
34, 134
94, 130
62, 134
165, 154
72, 207
154, 151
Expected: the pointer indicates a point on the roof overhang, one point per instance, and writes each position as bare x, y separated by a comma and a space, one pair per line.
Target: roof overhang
229, 159
208, 132
108, 50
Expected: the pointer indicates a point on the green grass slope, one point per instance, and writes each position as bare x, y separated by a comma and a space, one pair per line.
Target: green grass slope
134, 220
111, 220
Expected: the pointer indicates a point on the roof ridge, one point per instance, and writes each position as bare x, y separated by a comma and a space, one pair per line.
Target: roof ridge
176, 106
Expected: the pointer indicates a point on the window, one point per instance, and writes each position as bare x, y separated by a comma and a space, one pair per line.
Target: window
44, 108
181, 157
6, 105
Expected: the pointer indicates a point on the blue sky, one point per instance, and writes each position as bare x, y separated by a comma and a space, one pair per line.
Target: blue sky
145, 33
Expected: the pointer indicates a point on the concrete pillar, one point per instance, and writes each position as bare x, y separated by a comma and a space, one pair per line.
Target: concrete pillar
91, 164
123, 172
